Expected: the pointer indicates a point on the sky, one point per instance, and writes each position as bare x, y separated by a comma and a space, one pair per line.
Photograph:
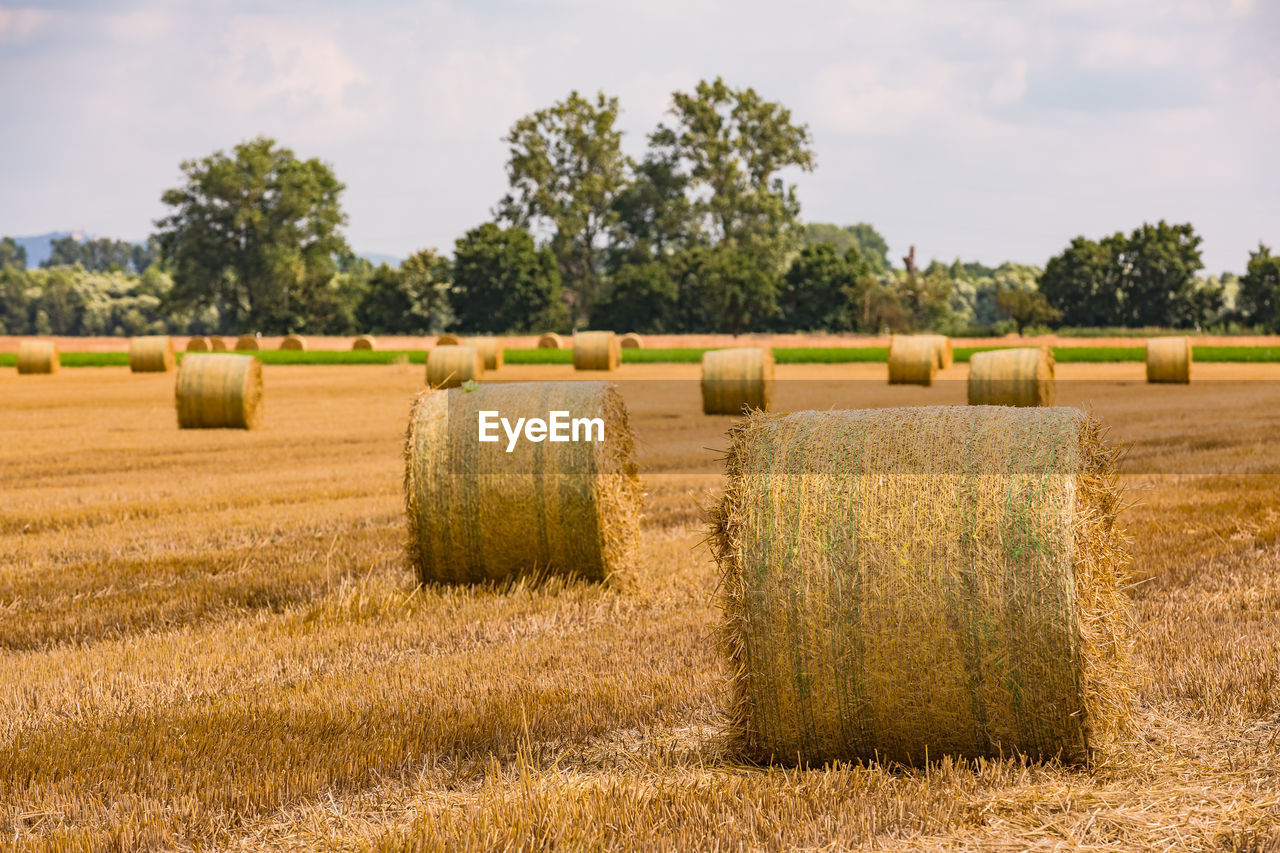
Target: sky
987, 130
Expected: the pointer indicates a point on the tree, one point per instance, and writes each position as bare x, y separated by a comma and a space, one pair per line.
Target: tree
724, 289
1158, 267
566, 170
1025, 307
12, 255
503, 283
640, 298
410, 300
653, 215
870, 244
822, 291
1259, 298
254, 235
1084, 282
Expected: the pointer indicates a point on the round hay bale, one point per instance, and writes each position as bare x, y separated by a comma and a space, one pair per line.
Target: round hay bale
294, 342
198, 344
491, 349
448, 341
449, 366
247, 343
550, 341
364, 342
736, 379
219, 391
596, 351
38, 357
913, 359
912, 582
151, 354
477, 512
1012, 377
632, 341
217, 344
945, 357
1169, 360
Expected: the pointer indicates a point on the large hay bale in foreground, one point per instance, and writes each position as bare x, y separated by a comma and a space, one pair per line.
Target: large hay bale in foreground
913, 359
596, 351
217, 344
364, 342
151, 354
477, 512
490, 349
219, 390
736, 379
550, 341
294, 342
38, 357
945, 357
1012, 377
631, 341
923, 581
448, 341
198, 344
248, 343
449, 366
1169, 360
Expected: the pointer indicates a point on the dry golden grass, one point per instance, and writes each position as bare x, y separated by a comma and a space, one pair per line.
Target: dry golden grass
210, 639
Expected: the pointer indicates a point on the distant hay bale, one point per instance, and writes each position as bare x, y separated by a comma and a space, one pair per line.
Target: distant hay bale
293, 342
490, 349
913, 359
247, 343
448, 341
38, 357
217, 344
736, 379
451, 365
364, 342
632, 341
151, 354
596, 351
913, 582
550, 341
219, 391
1012, 377
945, 357
198, 344
478, 513
1169, 360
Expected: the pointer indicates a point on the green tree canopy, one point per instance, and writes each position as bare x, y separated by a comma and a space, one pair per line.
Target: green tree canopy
1258, 300
503, 283
724, 289
12, 255
411, 300
870, 244
102, 254
641, 297
823, 290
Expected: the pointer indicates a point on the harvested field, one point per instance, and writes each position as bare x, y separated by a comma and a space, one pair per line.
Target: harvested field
211, 638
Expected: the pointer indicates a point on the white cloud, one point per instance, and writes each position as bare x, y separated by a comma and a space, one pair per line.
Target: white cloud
21, 24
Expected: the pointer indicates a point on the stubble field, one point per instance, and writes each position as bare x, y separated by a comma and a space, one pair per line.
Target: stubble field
210, 639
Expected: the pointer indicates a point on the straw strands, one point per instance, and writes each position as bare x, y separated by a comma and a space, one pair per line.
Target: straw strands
1012, 377
736, 379
247, 343
477, 512
219, 391
953, 586
913, 359
38, 357
151, 354
198, 344
550, 340
293, 342
596, 351
451, 365
364, 342
490, 349
632, 341
1169, 360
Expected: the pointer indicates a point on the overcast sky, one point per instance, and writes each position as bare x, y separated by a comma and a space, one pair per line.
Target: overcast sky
985, 130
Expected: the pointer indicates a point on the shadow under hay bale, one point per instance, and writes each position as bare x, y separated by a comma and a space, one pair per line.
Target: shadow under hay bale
36, 357
1012, 377
736, 379
596, 351
913, 359
151, 354
1169, 360
451, 365
913, 582
219, 391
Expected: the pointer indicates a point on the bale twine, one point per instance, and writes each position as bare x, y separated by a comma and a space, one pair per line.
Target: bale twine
1169, 360
38, 357
1012, 377
596, 351
736, 379
247, 343
490, 349
550, 341
448, 341
449, 366
198, 344
217, 344
294, 342
219, 390
632, 341
945, 357
364, 342
477, 512
151, 354
913, 359
923, 581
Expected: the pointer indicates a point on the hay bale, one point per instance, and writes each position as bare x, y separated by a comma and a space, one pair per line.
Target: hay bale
364, 342
217, 344
449, 366
945, 357
294, 342
550, 341
477, 512
1169, 360
913, 359
596, 351
151, 354
736, 379
448, 341
912, 581
38, 357
198, 344
1012, 377
247, 343
219, 391
632, 341
491, 349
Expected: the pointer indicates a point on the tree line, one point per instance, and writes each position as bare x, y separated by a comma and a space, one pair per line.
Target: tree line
702, 233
